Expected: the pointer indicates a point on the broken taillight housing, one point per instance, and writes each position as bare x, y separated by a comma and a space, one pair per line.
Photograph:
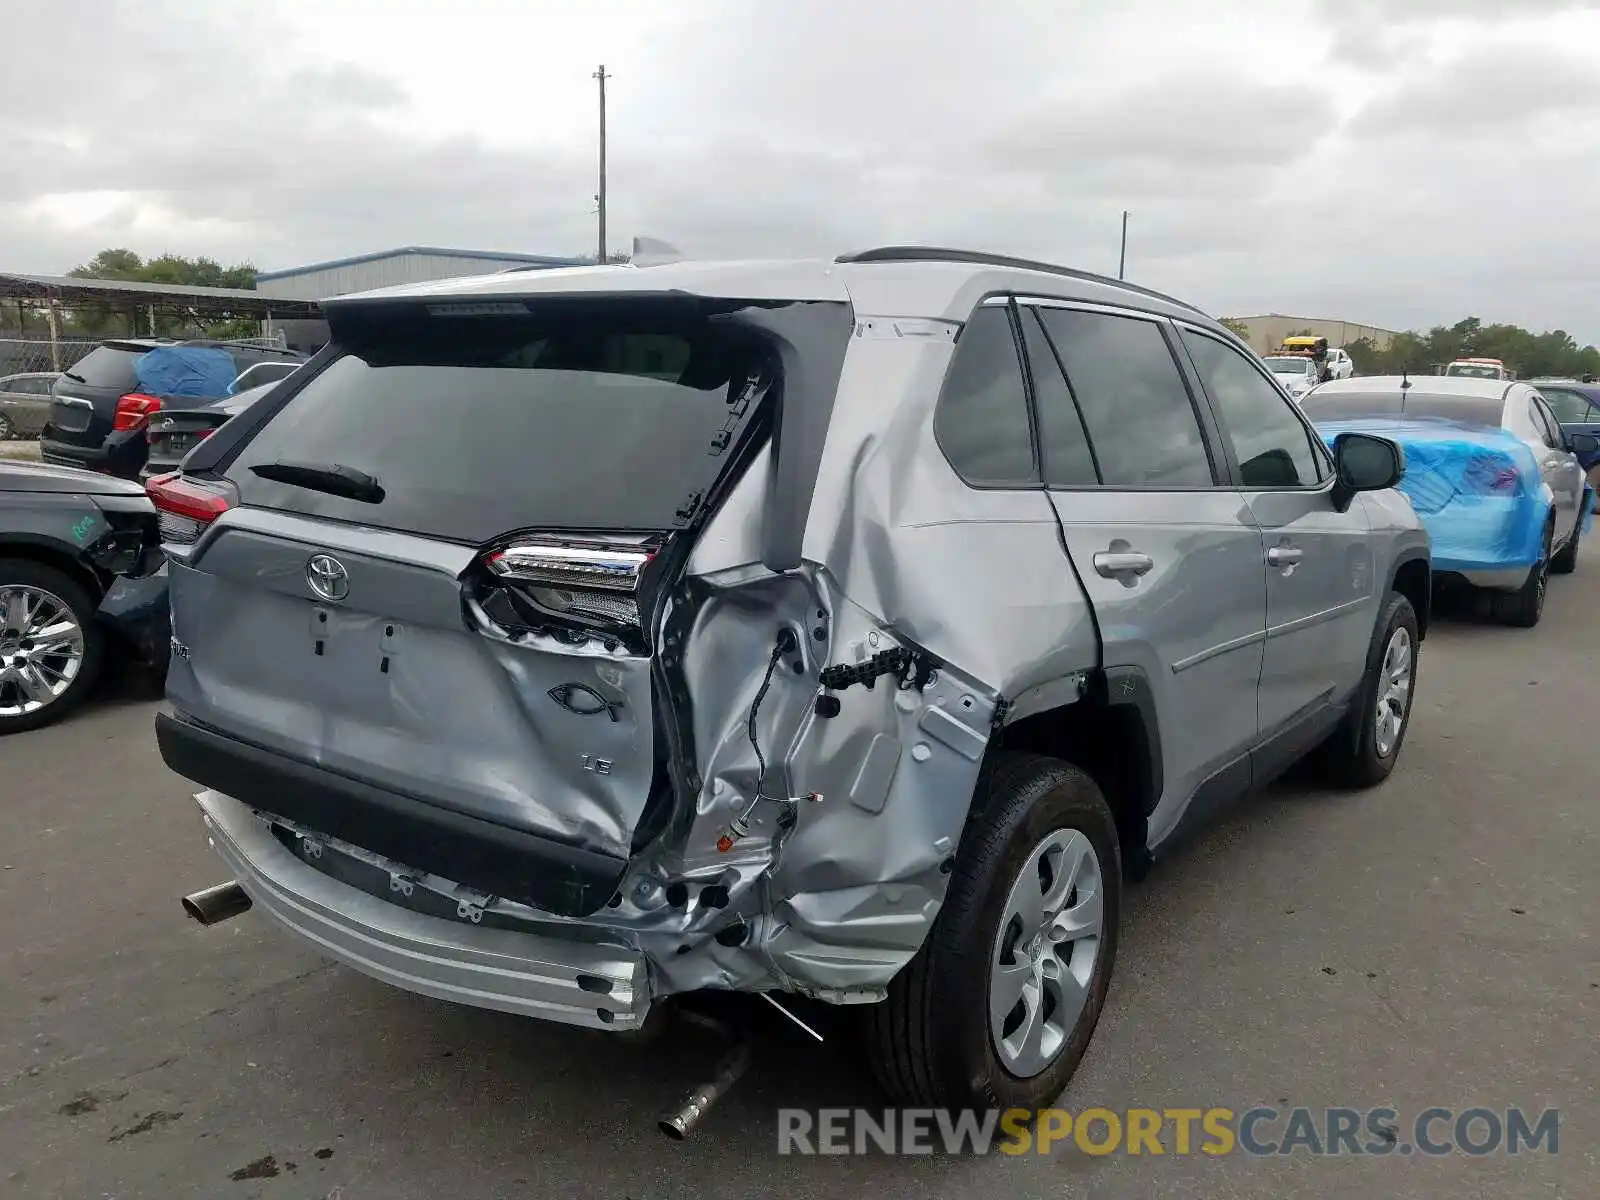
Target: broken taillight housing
184, 506
573, 584
1491, 474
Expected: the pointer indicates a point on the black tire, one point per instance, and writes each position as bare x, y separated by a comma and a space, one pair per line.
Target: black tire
1523, 607
7, 429
1352, 756
1566, 562
929, 1042
38, 575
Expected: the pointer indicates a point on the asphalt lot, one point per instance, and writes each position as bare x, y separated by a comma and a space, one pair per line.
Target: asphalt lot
1429, 943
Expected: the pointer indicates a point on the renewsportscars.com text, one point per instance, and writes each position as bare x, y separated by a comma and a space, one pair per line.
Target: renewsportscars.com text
1259, 1132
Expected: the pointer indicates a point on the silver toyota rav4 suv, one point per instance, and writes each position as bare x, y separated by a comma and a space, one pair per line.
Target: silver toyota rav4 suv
560, 642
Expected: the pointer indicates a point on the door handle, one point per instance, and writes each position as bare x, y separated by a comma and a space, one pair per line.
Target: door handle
1112, 563
1283, 556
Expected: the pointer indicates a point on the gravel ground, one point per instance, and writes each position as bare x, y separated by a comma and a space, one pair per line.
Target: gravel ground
1429, 943
28, 451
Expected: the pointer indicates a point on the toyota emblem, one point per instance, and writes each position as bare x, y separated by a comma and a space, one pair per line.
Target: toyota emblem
327, 577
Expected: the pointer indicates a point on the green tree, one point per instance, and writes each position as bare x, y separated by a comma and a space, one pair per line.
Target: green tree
1529, 355
126, 265
1237, 327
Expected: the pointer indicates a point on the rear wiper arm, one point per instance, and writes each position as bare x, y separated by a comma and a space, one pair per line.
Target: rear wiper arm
74, 375
336, 479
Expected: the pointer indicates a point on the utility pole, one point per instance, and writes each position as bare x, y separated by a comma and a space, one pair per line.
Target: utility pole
1122, 259
600, 198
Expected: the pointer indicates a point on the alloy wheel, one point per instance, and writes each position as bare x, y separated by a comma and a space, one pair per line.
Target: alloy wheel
1045, 952
1394, 691
41, 649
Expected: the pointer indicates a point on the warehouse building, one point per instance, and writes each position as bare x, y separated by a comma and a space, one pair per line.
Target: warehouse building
386, 268
1266, 333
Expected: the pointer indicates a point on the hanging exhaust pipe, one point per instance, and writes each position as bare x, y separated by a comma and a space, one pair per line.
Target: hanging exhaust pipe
217, 904
681, 1121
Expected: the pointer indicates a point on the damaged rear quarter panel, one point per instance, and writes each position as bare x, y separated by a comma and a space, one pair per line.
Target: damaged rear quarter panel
898, 551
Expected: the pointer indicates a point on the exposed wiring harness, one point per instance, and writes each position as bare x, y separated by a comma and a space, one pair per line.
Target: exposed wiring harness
786, 643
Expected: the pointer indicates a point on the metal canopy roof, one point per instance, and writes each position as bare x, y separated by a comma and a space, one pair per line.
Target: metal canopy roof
539, 260
164, 297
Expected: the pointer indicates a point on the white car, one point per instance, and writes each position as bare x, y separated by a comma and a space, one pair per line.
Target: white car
1296, 372
1340, 364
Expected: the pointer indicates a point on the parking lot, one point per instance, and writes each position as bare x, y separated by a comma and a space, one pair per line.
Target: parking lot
1429, 943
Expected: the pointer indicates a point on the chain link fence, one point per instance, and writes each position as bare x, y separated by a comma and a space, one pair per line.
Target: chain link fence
19, 355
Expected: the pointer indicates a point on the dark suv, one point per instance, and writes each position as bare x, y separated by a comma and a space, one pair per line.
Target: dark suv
99, 414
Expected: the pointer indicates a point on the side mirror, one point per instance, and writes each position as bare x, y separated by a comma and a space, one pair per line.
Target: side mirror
1363, 463
1583, 443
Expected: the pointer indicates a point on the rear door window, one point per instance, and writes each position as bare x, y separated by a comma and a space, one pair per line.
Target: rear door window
1544, 425
1568, 406
1136, 408
1063, 440
595, 417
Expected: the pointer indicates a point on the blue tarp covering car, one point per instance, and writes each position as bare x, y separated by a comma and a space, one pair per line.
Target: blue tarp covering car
185, 371
1477, 489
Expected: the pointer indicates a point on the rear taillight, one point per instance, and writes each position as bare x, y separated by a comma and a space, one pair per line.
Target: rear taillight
1492, 475
579, 585
134, 409
184, 506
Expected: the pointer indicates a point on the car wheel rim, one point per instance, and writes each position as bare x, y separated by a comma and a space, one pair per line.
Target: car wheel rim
1045, 952
5, 428
41, 649
1394, 691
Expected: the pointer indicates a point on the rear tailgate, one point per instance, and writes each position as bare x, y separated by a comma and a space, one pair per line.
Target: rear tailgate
470, 635
84, 398
172, 435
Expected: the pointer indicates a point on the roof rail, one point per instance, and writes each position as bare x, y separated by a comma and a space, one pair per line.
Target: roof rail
903, 254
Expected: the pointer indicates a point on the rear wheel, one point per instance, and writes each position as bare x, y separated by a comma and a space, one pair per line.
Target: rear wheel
1525, 606
1566, 562
7, 429
997, 1008
50, 648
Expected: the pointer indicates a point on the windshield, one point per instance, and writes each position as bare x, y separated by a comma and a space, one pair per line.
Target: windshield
1323, 405
1286, 366
601, 417
1473, 371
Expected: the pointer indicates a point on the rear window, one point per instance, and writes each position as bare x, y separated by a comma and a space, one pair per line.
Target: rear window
106, 367
1322, 405
602, 417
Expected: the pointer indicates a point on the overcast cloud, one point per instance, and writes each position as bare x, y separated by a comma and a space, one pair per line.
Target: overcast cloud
1397, 162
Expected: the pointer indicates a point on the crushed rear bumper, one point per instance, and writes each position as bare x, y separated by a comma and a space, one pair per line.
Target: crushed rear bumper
576, 983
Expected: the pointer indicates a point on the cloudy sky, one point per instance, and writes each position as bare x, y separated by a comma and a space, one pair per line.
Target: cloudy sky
1396, 162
